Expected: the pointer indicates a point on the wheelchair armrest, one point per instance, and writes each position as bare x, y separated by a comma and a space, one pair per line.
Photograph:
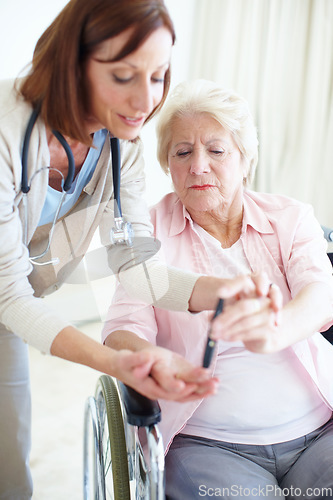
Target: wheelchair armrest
141, 411
328, 334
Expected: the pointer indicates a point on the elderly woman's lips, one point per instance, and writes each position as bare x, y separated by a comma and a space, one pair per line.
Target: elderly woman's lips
202, 188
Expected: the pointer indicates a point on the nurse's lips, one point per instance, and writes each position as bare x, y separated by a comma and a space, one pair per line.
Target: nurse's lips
133, 122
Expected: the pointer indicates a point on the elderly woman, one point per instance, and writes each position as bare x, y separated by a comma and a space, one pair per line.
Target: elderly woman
268, 430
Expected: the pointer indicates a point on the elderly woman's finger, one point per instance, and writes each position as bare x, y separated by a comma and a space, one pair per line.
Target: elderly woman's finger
236, 313
262, 283
276, 297
232, 287
266, 288
252, 327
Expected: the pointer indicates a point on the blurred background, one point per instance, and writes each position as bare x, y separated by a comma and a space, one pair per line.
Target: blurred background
278, 54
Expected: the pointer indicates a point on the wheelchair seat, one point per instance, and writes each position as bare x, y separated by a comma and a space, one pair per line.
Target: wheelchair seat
115, 464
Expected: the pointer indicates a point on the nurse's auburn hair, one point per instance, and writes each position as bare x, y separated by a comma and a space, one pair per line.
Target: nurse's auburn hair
56, 81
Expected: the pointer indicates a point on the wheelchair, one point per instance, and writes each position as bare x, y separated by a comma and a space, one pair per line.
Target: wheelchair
118, 424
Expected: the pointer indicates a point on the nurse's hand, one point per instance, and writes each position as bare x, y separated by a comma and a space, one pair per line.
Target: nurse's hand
159, 373
154, 372
209, 289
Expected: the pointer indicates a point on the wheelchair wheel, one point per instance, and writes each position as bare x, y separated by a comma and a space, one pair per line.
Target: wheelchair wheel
107, 477
137, 467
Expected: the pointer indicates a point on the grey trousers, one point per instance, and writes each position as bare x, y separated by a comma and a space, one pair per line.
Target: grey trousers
299, 469
15, 418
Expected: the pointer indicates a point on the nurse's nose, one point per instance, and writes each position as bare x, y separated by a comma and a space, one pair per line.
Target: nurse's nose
143, 98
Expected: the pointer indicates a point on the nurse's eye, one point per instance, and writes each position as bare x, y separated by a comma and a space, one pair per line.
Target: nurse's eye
157, 80
121, 80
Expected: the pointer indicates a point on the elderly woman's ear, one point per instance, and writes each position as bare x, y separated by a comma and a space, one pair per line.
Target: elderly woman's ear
246, 169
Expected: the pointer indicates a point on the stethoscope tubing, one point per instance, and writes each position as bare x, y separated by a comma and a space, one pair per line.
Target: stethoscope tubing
116, 165
115, 154
67, 184
71, 163
25, 188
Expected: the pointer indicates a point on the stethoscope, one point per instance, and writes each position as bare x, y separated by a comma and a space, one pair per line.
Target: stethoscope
121, 233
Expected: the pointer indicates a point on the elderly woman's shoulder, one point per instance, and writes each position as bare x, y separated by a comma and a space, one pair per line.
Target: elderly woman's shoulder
273, 201
166, 205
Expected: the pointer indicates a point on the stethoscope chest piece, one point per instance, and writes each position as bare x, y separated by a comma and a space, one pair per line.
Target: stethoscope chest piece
122, 232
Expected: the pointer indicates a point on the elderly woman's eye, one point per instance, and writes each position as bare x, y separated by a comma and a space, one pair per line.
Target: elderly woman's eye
182, 153
219, 152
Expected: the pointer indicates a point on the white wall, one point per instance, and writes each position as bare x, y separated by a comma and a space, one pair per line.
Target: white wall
181, 12
21, 24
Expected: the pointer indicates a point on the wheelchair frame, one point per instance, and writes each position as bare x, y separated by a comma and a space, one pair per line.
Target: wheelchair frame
114, 461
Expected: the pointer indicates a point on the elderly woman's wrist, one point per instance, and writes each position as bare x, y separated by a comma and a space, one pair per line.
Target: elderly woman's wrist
205, 294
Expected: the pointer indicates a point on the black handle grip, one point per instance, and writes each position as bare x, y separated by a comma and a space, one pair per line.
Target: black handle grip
208, 353
210, 346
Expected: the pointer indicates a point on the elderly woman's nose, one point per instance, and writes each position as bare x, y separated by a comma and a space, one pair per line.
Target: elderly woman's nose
199, 162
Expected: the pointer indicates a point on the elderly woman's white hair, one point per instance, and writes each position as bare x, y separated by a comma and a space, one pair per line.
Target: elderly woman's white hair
225, 106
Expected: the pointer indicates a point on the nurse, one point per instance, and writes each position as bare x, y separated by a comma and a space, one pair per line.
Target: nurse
100, 68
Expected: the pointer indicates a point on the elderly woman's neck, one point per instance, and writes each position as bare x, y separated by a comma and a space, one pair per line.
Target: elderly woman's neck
225, 227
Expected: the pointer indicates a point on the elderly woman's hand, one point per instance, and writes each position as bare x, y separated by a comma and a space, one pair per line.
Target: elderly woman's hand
255, 322
252, 317
256, 285
252, 321
178, 378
